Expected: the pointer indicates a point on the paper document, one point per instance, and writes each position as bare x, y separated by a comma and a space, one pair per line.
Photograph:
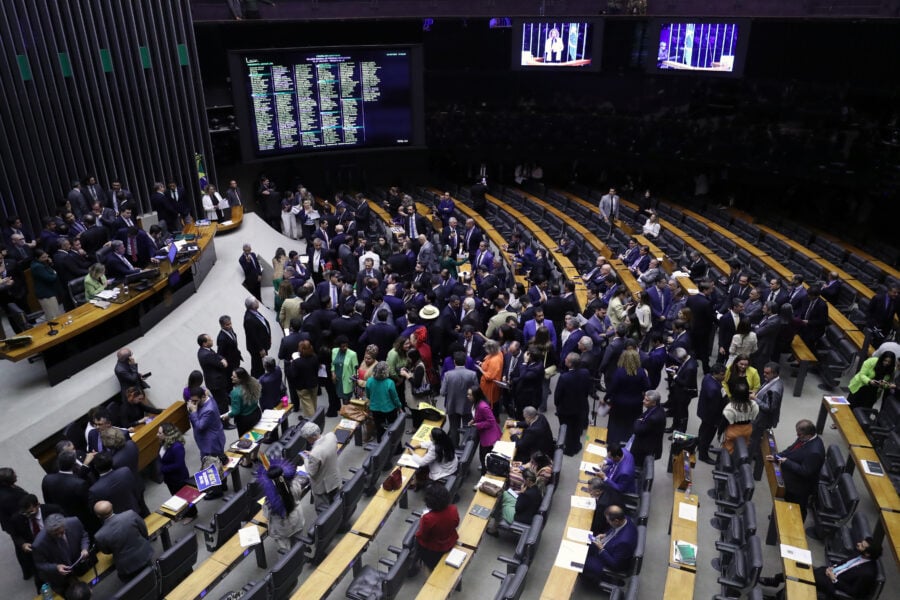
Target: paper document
249, 536
687, 511
271, 415
685, 552
507, 449
836, 400
578, 535
598, 450
347, 424
407, 460
589, 467
456, 558
583, 502
872, 467
571, 555
801, 555
423, 434
174, 504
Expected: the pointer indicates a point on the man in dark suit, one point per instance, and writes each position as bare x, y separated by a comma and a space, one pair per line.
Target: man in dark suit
800, 464
660, 301
740, 289
613, 549
10, 497
69, 491
855, 577
180, 202
227, 345
124, 220
216, 371
94, 236
571, 394
649, 429
61, 543
777, 293
727, 328
77, 200
25, 525
472, 238
536, 434
258, 335
813, 318
252, 271
703, 318
767, 335
415, 224
831, 287
381, 333
117, 486
797, 294
709, 410
881, 311
768, 398
127, 371
682, 390
164, 207
697, 268
139, 246
450, 236
117, 196
117, 264
124, 535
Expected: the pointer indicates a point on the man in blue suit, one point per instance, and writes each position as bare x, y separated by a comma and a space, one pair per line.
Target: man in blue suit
614, 549
532, 325
617, 474
660, 301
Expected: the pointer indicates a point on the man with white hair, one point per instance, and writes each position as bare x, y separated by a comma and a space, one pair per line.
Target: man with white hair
58, 546
427, 255
321, 464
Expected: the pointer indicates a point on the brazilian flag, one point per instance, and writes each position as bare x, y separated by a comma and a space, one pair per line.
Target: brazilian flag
201, 171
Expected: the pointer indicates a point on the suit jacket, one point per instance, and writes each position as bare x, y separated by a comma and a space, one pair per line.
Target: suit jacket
530, 328
250, 266
780, 296
454, 386
20, 526
69, 492
702, 316
93, 238
380, 334
617, 552
48, 551
453, 241
70, 265
214, 374
127, 456
711, 401
572, 389
322, 465
857, 581
165, 209
768, 397
734, 291
119, 487
797, 299
767, 338
654, 363
536, 436
116, 267
144, 244
659, 302
471, 239
124, 535
648, 433
227, 347
815, 313
257, 332
428, 257
181, 205
801, 469
727, 329
79, 202
569, 346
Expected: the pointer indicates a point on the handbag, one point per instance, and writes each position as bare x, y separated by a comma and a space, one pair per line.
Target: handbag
550, 371
490, 488
496, 464
394, 481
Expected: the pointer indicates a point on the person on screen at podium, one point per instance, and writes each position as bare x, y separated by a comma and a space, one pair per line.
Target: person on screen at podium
553, 47
117, 264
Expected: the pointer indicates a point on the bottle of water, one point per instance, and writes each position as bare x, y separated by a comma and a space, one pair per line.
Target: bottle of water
46, 592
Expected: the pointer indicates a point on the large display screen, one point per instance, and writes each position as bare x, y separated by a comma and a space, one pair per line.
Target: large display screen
701, 46
550, 44
309, 100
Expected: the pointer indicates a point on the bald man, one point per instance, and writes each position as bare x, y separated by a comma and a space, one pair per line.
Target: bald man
123, 535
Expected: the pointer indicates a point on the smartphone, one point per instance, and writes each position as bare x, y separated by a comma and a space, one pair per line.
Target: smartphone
591, 538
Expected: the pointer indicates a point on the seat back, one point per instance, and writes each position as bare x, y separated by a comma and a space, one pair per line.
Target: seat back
376, 463
741, 454
647, 473
324, 530
834, 465
558, 458
176, 563
319, 418
465, 462
629, 592
395, 431
747, 483
547, 501
642, 514
76, 291
258, 591
350, 494
283, 578
529, 540
228, 519
561, 436
143, 587
849, 495
513, 584
396, 575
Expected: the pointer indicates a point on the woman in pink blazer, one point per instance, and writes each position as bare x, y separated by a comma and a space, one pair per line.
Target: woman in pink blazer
484, 421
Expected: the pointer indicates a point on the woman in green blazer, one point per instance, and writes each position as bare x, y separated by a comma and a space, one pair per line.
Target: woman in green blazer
875, 375
344, 364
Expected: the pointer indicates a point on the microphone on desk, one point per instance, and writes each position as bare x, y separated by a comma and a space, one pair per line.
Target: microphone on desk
52, 331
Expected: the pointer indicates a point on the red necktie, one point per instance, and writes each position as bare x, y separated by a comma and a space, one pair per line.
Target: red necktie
35, 526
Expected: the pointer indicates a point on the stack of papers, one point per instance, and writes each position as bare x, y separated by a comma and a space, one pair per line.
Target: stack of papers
347, 424
407, 460
507, 449
456, 558
578, 535
249, 536
801, 555
687, 511
596, 449
571, 555
836, 400
685, 553
583, 502
174, 505
589, 467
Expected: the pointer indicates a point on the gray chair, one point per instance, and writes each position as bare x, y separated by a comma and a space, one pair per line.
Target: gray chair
76, 291
512, 584
282, 580
176, 563
144, 586
373, 584
323, 531
833, 506
526, 548
741, 571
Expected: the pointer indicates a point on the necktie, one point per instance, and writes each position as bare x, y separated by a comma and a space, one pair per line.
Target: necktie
334, 296
93, 192
127, 264
771, 296
847, 565
35, 526
132, 249
316, 258
512, 366
809, 309
412, 227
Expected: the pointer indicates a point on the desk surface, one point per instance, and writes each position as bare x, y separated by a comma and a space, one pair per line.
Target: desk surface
792, 533
800, 590
471, 528
881, 488
443, 579
847, 424
560, 582
891, 522
330, 571
679, 584
683, 530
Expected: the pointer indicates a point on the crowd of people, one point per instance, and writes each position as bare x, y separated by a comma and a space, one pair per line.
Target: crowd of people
384, 320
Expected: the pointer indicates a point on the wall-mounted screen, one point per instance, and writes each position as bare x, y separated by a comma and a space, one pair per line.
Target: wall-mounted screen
299, 100
556, 44
716, 47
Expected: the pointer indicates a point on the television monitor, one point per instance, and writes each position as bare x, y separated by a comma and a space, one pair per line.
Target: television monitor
556, 44
294, 101
715, 47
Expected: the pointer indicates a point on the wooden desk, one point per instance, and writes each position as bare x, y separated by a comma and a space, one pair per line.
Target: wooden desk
443, 580
842, 415
77, 346
237, 217
679, 584
799, 590
773, 470
881, 488
806, 358
561, 582
332, 569
212, 570
472, 528
683, 530
382, 504
890, 524
144, 436
791, 532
